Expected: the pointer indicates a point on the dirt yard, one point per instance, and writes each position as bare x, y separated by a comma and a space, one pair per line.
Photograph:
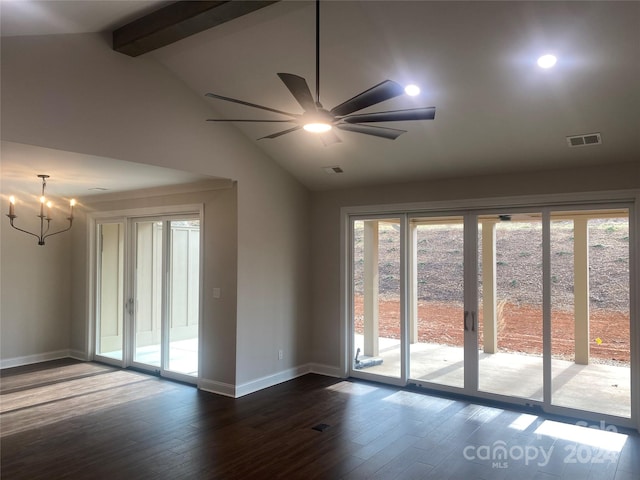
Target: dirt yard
519, 290
520, 332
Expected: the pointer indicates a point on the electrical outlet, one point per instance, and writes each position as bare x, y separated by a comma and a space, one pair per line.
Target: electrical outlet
280, 354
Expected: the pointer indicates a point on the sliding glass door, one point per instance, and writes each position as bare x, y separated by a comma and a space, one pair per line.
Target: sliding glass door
510, 332
524, 305
436, 300
590, 311
110, 290
148, 294
183, 310
377, 287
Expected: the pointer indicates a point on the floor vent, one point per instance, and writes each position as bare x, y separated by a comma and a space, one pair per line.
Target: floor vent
584, 140
321, 427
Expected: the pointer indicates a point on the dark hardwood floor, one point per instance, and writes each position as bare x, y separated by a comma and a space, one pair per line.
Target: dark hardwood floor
68, 419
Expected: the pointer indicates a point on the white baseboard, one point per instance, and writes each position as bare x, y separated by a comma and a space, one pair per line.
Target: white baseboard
271, 380
79, 355
36, 358
236, 391
220, 388
327, 370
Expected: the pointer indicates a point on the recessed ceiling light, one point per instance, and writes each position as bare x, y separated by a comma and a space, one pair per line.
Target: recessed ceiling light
547, 61
412, 90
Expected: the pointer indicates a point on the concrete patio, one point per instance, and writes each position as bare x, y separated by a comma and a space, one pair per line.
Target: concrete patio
596, 388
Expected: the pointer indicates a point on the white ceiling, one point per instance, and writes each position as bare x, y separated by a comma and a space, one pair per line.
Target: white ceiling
73, 174
475, 61
78, 175
26, 17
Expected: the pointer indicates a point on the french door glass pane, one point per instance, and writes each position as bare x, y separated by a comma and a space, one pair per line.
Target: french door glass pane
110, 298
148, 293
590, 316
376, 296
184, 290
510, 310
436, 309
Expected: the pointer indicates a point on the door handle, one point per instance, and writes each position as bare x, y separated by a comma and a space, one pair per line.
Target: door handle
466, 314
473, 321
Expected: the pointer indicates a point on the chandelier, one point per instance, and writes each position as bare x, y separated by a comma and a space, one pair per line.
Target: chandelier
45, 217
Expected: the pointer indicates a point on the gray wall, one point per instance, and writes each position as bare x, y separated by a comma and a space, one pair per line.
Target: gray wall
73, 93
35, 310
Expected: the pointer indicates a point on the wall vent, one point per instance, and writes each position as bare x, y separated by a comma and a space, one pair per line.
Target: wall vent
584, 140
333, 170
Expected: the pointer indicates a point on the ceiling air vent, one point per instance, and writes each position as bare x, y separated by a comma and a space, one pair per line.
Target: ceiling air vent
333, 170
584, 140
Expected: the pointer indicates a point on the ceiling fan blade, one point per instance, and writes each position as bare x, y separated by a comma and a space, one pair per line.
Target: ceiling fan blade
329, 138
300, 90
247, 120
376, 94
425, 113
248, 104
277, 134
383, 132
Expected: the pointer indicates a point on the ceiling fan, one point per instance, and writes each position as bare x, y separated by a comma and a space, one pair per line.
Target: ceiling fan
315, 118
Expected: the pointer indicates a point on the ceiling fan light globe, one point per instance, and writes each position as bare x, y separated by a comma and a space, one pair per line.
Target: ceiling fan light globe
317, 127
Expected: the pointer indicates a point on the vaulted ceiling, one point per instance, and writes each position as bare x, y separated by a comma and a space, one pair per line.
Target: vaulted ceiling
497, 111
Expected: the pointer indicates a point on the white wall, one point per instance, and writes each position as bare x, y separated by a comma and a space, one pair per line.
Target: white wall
73, 93
325, 221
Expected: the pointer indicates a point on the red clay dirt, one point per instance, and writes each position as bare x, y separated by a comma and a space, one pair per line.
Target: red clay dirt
519, 331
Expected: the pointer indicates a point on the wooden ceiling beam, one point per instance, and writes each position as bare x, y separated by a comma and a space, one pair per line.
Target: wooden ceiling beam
177, 21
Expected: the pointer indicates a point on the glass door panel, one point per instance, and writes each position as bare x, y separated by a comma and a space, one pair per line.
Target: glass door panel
522, 306
510, 305
376, 293
436, 300
590, 315
147, 293
110, 290
184, 298
148, 290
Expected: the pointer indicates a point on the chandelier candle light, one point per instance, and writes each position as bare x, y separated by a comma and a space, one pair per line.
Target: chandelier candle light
43, 231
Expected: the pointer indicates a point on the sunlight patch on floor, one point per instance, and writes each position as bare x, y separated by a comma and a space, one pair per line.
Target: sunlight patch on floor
594, 437
38, 405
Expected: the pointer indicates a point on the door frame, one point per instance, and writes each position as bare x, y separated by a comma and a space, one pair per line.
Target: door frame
125, 216
545, 204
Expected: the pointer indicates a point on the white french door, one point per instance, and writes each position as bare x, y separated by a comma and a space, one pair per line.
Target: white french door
532, 306
148, 294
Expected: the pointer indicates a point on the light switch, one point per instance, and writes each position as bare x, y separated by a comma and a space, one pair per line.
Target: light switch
216, 293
